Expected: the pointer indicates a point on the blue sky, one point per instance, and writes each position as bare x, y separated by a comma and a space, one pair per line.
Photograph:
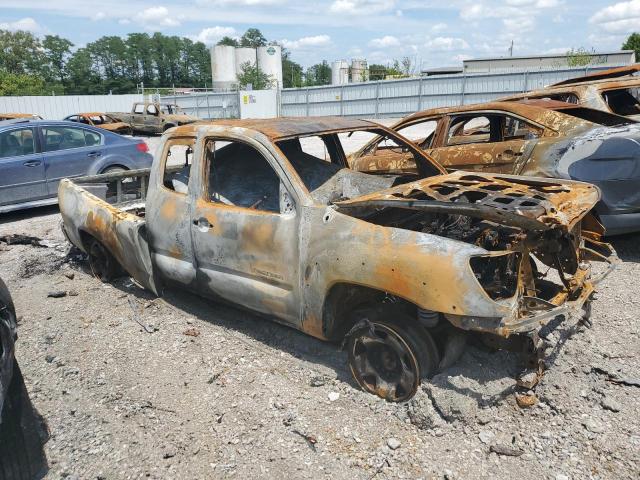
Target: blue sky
432, 33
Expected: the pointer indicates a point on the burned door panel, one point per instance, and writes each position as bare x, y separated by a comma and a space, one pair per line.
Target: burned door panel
245, 249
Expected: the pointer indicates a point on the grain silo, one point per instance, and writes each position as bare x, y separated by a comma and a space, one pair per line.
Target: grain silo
358, 71
244, 55
223, 66
339, 72
270, 62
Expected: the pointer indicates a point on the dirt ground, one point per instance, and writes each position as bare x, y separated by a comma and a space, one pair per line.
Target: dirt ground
132, 386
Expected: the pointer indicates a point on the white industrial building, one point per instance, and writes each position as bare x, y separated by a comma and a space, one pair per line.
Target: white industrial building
545, 62
341, 72
227, 61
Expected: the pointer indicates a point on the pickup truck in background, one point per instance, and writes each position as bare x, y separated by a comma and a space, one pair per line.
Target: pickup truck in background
267, 215
152, 117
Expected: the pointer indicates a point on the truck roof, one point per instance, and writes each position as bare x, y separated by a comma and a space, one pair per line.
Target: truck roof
278, 128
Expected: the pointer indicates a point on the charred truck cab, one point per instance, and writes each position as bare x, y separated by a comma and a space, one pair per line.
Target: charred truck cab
267, 215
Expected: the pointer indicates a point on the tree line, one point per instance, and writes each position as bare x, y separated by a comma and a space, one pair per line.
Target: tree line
33, 66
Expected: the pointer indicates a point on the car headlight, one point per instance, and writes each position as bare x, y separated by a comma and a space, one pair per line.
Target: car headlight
497, 274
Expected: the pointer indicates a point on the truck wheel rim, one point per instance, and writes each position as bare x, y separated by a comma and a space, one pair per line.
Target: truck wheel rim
383, 363
99, 261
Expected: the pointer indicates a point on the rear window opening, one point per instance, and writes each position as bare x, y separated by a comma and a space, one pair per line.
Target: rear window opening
623, 101
598, 116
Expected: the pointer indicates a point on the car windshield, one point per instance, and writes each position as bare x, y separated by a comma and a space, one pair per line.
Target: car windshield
320, 162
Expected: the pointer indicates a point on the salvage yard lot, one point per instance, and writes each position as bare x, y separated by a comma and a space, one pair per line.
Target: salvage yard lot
135, 387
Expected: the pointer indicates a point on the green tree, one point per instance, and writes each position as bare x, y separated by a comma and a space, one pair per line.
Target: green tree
82, 77
21, 84
253, 38
318, 74
377, 72
229, 41
20, 52
579, 57
57, 52
633, 43
250, 74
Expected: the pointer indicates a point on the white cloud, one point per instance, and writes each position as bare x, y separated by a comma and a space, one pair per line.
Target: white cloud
154, 18
439, 27
362, 7
248, 3
622, 17
446, 44
307, 42
519, 24
27, 24
384, 42
211, 35
99, 16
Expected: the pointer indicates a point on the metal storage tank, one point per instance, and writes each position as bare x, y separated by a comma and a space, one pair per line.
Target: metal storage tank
223, 66
244, 55
340, 72
358, 71
270, 62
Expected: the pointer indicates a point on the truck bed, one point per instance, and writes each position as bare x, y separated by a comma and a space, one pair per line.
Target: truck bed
110, 209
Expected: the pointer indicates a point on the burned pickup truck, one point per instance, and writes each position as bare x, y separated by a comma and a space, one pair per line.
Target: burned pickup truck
265, 214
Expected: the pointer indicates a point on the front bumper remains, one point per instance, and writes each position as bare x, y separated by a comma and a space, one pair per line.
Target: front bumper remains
533, 313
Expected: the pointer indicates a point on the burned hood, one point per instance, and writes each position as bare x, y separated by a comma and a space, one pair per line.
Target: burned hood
179, 118
525, 202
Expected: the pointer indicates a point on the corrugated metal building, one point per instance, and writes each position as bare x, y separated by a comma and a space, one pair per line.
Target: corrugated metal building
545, 62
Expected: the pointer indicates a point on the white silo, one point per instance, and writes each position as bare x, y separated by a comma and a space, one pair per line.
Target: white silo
270, 62
358, 71
244, 55
223, 66
340, 72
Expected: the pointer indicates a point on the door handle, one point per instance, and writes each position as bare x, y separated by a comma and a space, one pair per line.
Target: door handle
202, 224
32, 163
94, 154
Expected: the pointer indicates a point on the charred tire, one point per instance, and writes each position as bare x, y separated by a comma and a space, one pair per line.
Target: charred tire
103, 264
389, 355
22, 435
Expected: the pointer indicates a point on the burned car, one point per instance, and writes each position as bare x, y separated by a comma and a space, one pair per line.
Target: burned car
534, 138
22, 430
265, 214
616, 90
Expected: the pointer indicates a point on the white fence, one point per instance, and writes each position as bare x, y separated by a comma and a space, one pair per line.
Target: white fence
393, 98
58, 107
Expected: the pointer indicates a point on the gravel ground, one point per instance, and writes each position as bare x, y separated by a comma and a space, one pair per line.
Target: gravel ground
208, 391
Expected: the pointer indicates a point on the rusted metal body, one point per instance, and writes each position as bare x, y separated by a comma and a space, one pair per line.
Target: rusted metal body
101, 120
329, 246
12, 116
614, 91
541, 138
153, 117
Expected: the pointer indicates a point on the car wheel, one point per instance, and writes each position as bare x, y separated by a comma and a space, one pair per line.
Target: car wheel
388, 355
103, 265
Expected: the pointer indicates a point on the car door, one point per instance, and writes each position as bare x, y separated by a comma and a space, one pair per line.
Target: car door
22, 173
245, 230
68, 151
138, 117
152, 119
486, 141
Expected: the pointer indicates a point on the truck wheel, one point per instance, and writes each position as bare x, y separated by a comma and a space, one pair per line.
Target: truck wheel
388, 356
102, 263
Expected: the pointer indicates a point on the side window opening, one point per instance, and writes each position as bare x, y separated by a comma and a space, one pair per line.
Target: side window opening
472, 129
421, 133
15, 143
177, 164
239, 175
152, 110
139, 108
567, 97
63, 138
623, 101
518, 129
